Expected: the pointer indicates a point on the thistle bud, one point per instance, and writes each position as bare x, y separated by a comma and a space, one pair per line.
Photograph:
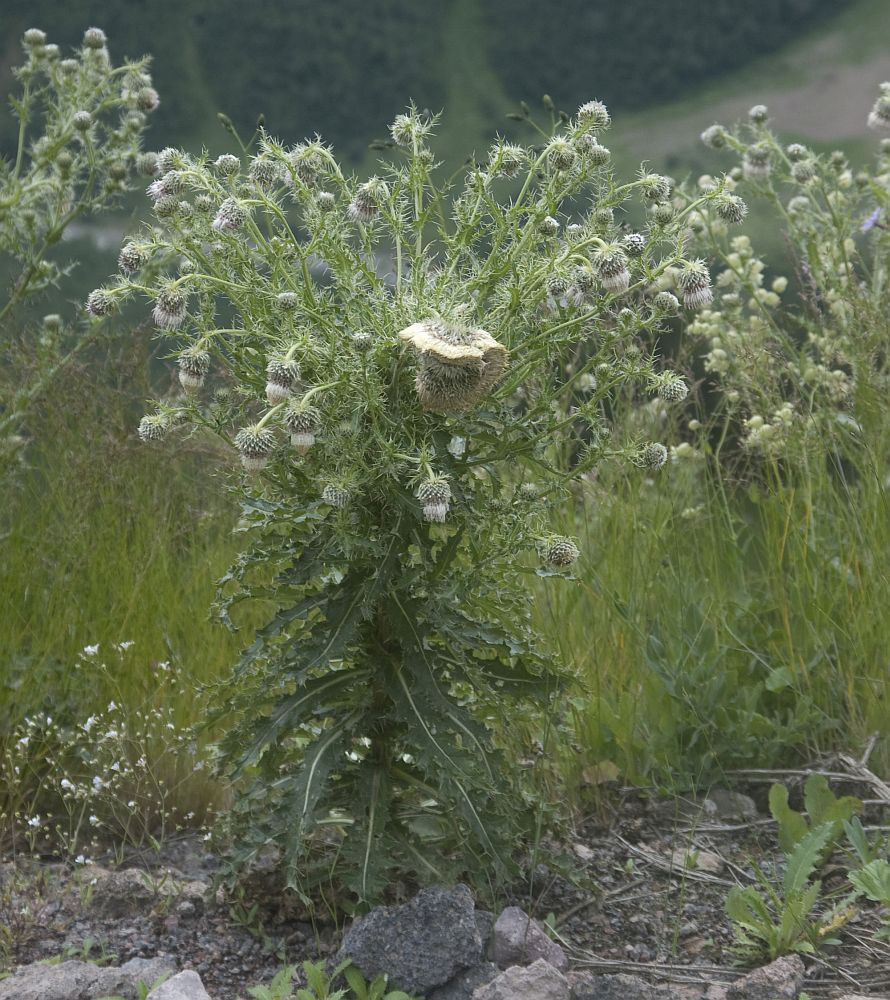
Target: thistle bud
796, 152
803, 171
231, 215
756, 162
434, 495
730, 208
634, 244
365, 205
170, 308
653, 456
193, 367
666, 302
169, 159
758, 114
561, 154
694, 283
655, 187
336, 496
508, 160
147, 164
714, 137
663, 213
69, 66
403, 130
611, 265
548, 226
52, 323
529, 492
82, 121
362, 341
560, 551
34, 38
302, 423
265, 173
153, 427
281, 376
288, 301
227, 165
592, 151
94, 38
131, 258
326, 201
100, 302
255, 445
593, 114
672, 388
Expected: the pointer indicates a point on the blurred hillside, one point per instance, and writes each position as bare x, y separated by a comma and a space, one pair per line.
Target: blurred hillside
345, 69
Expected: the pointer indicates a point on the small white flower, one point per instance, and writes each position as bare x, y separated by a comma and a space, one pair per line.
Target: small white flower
94, 820
66, 785
34, 822
124, 646
98, 783
91, 650
80, 860
112, 705
88, 725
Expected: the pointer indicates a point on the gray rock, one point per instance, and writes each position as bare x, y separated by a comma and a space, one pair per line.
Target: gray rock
183, 986
126, 891
420, 945
538, 981
780, 980
76, 980
485, 925
465, 983
620, 987
732, 805
519, 940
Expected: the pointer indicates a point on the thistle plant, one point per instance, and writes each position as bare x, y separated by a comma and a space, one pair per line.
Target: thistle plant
411, 373
80, 125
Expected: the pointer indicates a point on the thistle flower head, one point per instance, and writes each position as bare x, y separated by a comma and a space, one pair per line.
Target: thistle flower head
561, 153
34, 38
795, 152
714, 137
593, 114
154, 427
100, 302
194, 363
308, 161
131, 257
758, 114
336, 496
507, 160
302, 423
730, 208
170, 308
255, 444
756, 162
458, 366
634, 244
672, 388
435, 497
231, 215
282, 374
653, 455
94, 38
610, 262
366, 203
558, 550
694, 282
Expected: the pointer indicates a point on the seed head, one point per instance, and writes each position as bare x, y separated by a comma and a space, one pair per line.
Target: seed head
94, 38
336, 496
194, 364
100, 302
435, 497
302, 423
714, 136
672, 388
593, 114
730, 208
255, 444
457, 366
281, 376
170, 308
694, 282
560, 551
653, 456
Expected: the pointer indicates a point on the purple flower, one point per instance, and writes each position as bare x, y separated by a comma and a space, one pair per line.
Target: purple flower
871, 221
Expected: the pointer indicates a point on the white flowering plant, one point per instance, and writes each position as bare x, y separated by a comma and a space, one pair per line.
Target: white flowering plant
794, 375
413, 372
81, 121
